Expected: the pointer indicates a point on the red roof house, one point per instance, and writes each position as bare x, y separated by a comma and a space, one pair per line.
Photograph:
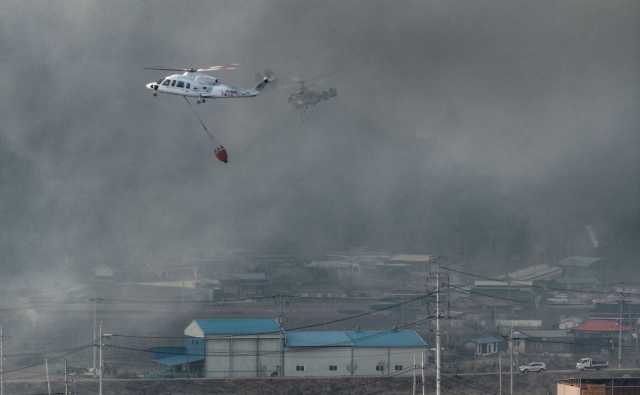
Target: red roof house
601, 326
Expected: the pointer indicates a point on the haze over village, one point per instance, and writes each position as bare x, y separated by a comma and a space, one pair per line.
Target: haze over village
283, 197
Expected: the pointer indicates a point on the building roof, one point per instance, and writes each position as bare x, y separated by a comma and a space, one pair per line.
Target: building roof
502, 284
579, 261
172, 356
412, 258
581, 280
519, 323
541, 334
230, 277
179, 360
488, 339
536, 272
365, 339
601, 326
333, 264
232, 326
318, 338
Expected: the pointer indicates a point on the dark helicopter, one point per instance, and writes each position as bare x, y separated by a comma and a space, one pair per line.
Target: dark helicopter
305, 97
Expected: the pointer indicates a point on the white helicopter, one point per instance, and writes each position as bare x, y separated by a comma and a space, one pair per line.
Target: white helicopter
193, 82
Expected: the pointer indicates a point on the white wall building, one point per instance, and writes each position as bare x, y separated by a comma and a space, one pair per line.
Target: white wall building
222, 348
239, 347
351, 353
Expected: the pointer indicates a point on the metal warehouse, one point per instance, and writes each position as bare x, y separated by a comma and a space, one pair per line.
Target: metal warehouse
222, 348
352, 353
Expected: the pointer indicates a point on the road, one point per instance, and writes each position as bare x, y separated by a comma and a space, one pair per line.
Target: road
554, 371
574, 372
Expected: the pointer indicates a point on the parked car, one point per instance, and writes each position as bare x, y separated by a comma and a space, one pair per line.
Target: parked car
592, 364
538, 367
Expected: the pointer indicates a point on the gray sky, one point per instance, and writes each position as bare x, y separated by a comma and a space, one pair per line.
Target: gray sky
500, 127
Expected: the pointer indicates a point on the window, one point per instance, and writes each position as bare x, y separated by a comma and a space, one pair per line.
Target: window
166, 82
379, 368
300, 368
188, 85
397, 367
173, 82
180, 84
333, 368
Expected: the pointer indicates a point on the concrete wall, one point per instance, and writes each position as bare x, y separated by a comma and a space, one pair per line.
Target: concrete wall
317, 361
242, 356
270, 356
368, 358
218, 362
566, 389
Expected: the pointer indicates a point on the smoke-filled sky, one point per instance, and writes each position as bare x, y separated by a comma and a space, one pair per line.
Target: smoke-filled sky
494, 128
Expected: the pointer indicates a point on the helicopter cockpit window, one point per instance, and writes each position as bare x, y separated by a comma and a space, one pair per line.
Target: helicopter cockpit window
173, 82
166, 82
180, 84
188, 85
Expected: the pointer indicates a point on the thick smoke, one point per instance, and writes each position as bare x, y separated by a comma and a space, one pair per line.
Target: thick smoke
489, 130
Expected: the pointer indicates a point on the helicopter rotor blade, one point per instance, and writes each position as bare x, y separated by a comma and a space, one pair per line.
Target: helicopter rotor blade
224, 67
166, 69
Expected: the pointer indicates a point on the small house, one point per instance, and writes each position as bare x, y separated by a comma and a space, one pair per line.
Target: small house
488, 345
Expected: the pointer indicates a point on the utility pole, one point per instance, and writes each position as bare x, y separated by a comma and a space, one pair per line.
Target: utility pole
620, 332
93, 335
424, 391
66, 378
438, 330
1, 360
415, 367
511, 361
499, 373
46, 372
100, 358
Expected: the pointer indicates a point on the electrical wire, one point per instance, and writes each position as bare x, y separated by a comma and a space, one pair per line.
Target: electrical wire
66, 353
307, 326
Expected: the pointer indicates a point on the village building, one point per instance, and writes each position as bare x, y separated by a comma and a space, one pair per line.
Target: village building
488, 345
599, 386
225, 348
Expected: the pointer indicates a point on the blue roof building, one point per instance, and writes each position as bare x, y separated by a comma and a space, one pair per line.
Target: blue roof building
352, 353
232, 326
256, 347
363, 339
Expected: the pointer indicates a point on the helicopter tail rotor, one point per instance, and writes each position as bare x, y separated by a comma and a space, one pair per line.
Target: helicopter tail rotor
266, 79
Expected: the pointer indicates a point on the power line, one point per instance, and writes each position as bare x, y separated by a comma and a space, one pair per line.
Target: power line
307, 326
107, 301
66, 353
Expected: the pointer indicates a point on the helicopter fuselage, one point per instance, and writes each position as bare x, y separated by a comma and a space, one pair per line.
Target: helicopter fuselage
199, 85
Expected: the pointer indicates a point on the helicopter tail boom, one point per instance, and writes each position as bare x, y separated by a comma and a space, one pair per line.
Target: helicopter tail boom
266, 80
262, 84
